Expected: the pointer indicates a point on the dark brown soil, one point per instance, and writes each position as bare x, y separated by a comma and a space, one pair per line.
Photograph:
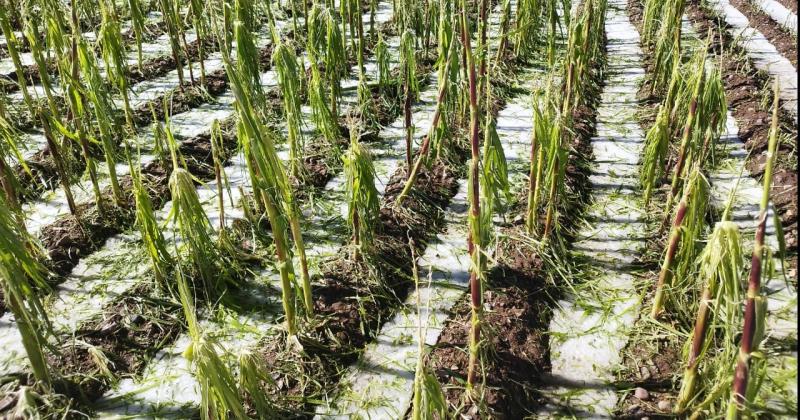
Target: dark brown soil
515, 323
777, 35
182, 99
125, 334
655, 365
159, 66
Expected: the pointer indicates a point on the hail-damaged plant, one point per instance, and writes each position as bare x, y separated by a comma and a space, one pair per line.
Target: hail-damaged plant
362, 196
667, 42
475, 235
750, 366
505, 27
137, 13
544, 140
8, 179
221, 179
712, 341
530, 19
210, 265
436, 131
326, 45
682, 249
160, 150
12, 45
382, 59
252, 374
31, 33
285, 63
408, 72
219, 396
651, 18
247, 56
655, 152
494, 171
113, 50
55, 150
22, 278
272, 192
171, 19
71, 79
199, 21
323, 115
152, 238
704, 94
104, 111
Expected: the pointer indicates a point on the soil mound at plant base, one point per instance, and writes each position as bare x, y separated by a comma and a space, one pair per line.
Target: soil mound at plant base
517, 311
129, 337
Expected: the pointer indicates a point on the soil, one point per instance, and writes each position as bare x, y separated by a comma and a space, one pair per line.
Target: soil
780, 37
182, 98
125, 334
161, 65
518, 308
653, 362
42, 174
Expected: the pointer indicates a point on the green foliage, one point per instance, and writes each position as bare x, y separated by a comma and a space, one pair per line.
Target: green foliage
382, 58
408, 64
667, 41
22, 278
362, 196
696, 196
219, 396
137, 22
104, 110
285, 63
152, 237
655, 152
113, 50
494, 176
211, 266
711, 349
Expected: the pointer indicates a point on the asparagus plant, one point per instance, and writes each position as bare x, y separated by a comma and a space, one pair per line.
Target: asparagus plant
219, 395
13, 51
137, 13
113, 50
286, 66
153, 239
362, 196
687, 226
745, 381
408, 70
474, 245
719, 267
22, 278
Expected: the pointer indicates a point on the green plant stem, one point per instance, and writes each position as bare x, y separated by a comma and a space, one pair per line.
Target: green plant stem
749, 341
